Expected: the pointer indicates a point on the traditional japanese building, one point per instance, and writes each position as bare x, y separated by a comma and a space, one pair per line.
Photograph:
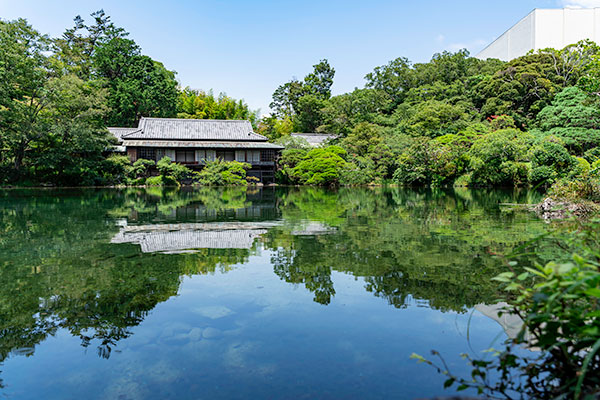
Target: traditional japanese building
193, 142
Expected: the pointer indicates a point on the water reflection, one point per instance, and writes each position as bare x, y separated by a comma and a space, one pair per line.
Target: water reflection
95, 263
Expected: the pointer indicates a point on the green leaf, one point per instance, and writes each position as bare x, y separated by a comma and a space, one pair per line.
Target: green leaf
449, 382
593, 292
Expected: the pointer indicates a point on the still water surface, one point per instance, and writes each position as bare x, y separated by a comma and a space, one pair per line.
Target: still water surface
274, 293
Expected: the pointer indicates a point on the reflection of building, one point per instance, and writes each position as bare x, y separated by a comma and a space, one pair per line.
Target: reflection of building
178, 238
540, 29
313, 228
511, 323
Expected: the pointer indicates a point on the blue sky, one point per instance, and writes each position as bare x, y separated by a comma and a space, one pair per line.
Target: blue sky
248, 48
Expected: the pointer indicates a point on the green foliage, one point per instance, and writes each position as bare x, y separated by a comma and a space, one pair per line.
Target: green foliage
521, 90
173, 173
116, 169
499, 158
432, 118
575, 118
583, 183
197, 104
316, 85
558, 304
320, 166
290, 158
223, 173
141, 168
428, 161
138, 85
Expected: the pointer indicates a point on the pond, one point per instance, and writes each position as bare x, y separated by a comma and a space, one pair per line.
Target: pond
236, 293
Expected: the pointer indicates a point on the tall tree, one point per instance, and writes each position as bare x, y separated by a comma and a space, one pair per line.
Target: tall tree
75, 49
318, 83
24, 71
138, 86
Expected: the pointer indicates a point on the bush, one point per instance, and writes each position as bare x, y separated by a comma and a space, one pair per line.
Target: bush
498, 158
115, 169
173, 172
361, 171
582, 184
141, 168
287, 162
550, 153
542, 174
224, 173
321, 166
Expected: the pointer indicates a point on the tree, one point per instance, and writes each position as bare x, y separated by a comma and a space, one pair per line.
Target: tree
71, 151
197, 104
574, 117
138, 86
309, 115
285, 98
318, 83
395, 79
24, 72
321, 166
521, 90
499, 158
75, 49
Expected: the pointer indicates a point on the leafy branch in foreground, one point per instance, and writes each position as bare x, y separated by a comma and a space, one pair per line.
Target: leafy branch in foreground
557, 352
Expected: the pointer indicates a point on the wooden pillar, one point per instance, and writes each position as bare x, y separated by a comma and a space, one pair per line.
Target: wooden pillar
132, 154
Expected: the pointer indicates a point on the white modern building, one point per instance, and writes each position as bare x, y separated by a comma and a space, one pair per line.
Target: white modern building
543, 28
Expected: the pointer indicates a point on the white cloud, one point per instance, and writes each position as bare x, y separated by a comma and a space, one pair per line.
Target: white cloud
580, 3
472, 45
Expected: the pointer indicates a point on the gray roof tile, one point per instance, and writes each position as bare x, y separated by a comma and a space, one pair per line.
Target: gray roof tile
202, 144
194, 129
120, 132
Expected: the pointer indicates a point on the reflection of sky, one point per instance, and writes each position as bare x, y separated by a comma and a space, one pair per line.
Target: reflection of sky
247, 334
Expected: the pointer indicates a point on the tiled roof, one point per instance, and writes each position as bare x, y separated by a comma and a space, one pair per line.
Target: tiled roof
314, 139
119, 132
194, 129
200, 144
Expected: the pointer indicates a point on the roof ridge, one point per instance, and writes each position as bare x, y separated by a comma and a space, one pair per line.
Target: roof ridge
197, 119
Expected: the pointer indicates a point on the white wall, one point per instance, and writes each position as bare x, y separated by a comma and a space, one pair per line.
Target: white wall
544, 28
513, 43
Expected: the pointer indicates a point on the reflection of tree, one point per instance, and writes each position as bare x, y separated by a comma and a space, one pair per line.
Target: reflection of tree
58, 270
432, 245
315, 277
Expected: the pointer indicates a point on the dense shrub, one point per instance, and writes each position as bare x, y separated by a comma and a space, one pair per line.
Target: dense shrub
224, 173
116, 169
321, 166
499, 158
287, 162
360, 171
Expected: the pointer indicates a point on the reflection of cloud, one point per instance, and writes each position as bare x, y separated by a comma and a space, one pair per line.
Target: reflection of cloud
181, 238
580, 3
